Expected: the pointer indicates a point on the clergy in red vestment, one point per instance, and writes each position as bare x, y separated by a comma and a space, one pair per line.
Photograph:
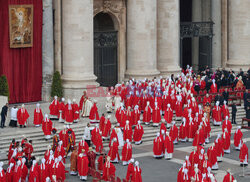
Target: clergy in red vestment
63, 136
17, 176
168, 115
138, 133
178, 106
129, 115
238, 138
136, 115
69, 113
212, 157
225, 110
227, 124
28, 149
34, 174
108, 170
10, 173
127, 132
83, 145
219, 148
61, 109
217, 114
71, 142
100, 162
169, 147
113, 151
173, 133
147, 113
243, 155
82, 165
50, 164
229, 177
59, 150
24, 170
54, 108
199, 138
206, 99
94, 133
2, 173
130, 170
73, 161
137, 173
183, 130
76, 113
191, 130
99, 145
156, 115
22, 116
47, 153
47, 127
196, 177
93, 115
38, 115
226, 141
105, 127
213, 88
43, 171
60, 173
158, 147
126, 153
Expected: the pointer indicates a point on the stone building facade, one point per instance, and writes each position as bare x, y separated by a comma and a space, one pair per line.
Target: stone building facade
147, 38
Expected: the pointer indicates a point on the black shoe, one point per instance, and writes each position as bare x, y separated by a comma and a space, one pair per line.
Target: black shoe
21, 126
24, 126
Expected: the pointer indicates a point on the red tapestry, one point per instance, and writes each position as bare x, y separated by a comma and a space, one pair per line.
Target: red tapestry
22, 66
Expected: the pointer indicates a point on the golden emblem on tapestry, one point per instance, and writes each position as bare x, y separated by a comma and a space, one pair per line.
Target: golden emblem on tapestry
21, 26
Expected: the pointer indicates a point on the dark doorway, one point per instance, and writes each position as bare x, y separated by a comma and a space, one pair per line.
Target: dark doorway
105, 50
186, 45
205, 50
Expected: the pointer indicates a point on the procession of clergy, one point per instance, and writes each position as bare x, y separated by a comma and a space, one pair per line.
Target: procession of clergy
154, 99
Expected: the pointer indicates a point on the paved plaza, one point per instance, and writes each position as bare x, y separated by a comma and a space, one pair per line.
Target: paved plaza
152, 169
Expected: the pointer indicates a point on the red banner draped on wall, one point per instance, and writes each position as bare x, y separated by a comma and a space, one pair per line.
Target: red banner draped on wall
22, 66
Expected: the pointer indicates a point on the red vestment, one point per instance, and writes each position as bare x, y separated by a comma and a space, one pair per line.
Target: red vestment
138, 133
156, 115
108, 170
147, 114
126, 152
94, 136
47, 126
43, 172
227, 124
54, 107
237, 137
22, 116
225, 111
168, 115
158, 147
69, 114
169, 146
225, 139
213, 88
105, 128
130, 171
63, 136
137, 175
127, 133
34, 175
136, 116
173, 133
62, 110
38, 116
217, 113
93, 115
82, 165
243, 153
212, 156
83, 145
228, 178
76, 112
113, 151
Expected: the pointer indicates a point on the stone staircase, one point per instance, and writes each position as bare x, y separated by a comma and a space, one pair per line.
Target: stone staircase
40, 145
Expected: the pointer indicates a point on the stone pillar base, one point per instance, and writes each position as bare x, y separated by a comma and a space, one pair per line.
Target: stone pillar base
73, 88
46, 91
170, 70
237, 64
141, 74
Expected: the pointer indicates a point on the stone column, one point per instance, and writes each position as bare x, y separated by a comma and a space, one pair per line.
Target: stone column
47, 49
196, 17
57, 35
216, 43
141, 39
77, 23
168, 41
239, 34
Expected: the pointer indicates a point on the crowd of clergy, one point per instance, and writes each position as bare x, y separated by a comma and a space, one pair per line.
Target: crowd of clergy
167, 103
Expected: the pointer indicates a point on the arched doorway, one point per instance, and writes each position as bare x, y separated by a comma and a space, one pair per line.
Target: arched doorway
105, 50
